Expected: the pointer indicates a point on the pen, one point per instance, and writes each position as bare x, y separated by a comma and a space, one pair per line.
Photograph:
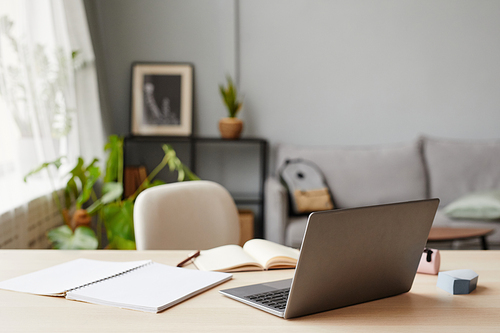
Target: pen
182, 263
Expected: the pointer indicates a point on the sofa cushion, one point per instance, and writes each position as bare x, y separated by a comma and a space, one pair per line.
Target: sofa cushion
457, 168
475, 206
361, 176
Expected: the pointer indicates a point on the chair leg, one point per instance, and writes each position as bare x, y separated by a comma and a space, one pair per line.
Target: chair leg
484, 243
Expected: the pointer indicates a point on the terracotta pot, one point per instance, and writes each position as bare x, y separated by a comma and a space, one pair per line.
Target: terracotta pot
80, 219
230, 128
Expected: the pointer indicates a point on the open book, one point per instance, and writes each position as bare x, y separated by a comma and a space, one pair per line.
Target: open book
255, 255
138, 285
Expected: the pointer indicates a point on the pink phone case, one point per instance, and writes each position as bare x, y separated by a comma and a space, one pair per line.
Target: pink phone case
429, 262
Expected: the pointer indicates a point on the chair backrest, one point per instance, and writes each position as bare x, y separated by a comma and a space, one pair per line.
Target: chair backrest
194, 215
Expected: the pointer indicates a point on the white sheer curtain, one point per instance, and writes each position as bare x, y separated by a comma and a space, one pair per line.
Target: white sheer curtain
91, 132
49, 106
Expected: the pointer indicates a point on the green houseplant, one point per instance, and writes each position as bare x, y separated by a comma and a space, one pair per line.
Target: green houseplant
230, 127
113, 213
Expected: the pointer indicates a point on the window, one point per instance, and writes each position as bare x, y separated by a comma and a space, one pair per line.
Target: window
37, 98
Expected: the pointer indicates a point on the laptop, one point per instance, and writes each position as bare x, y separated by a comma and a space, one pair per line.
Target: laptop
348, 256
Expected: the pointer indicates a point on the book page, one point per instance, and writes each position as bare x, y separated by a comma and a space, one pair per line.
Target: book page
226, 258
270, 254
151, 288
56, 280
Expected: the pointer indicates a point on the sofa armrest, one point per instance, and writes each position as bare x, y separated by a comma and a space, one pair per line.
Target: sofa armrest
276, 210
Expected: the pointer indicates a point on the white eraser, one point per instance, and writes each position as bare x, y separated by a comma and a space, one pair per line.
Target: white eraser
458, 282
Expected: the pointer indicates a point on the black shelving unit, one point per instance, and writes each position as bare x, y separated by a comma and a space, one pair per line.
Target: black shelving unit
146, 150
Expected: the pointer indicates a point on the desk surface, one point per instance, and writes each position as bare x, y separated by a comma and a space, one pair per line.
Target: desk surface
424, 308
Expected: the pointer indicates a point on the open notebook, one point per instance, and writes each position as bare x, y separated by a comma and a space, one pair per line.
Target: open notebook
255, 255
138, 285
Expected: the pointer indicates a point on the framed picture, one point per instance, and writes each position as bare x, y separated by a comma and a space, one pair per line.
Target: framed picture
162, 99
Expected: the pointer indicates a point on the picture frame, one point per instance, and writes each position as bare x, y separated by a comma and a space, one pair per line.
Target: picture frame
162, 99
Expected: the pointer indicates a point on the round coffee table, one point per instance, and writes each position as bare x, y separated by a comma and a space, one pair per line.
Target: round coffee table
438, 234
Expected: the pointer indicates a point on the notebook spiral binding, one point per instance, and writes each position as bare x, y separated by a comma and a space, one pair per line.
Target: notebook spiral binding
110, 277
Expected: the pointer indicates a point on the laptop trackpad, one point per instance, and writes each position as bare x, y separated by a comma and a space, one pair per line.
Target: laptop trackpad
281, 284
259, 288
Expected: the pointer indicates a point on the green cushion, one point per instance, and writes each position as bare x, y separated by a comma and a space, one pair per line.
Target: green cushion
476, 206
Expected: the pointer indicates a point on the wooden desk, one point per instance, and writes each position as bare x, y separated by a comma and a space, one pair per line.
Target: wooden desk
425, 308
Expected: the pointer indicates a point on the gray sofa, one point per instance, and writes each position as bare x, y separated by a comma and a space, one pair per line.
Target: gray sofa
360, 176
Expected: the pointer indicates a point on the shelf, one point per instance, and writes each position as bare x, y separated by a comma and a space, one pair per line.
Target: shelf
247, 198
133, 152
221, 140
188, 139
183, 139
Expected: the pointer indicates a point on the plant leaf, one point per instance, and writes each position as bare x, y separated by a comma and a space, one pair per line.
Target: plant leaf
110, 192
93, 175
115, 158
230, 97
71, 189
156, 182
64, 238
67, 198
94, 161
175, 164
57, 163
119, 243
189, 174
118, 219
78, 172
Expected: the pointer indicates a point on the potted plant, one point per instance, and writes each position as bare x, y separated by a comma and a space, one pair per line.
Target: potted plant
230, 127
114, 213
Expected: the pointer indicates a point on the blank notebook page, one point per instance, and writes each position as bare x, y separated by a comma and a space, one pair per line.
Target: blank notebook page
152, 288
55, 280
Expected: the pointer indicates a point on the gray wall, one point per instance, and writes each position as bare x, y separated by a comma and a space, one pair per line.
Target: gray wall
358, 72
197, 32
317, 72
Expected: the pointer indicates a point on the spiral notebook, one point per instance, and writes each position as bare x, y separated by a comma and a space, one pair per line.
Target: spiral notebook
137, 285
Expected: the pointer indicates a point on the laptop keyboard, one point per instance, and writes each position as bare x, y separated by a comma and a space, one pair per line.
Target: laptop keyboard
274, 299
